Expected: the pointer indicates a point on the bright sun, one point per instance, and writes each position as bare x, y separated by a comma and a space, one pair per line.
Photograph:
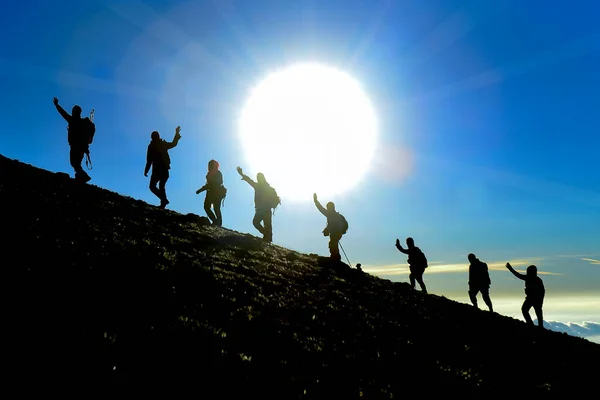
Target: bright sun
309, 128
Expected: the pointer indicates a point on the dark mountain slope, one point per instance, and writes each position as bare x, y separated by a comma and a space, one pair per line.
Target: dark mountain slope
103, 288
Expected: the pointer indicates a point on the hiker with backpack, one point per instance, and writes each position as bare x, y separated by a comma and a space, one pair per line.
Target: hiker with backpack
215, 193
336, 227
158, 158
479, 281
80, 135
265, 200
417, 262
534, 293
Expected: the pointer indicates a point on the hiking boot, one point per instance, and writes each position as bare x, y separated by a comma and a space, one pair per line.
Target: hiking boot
82, 177
163, 204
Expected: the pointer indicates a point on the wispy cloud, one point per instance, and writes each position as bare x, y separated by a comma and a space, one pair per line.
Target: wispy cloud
439, 267
591, 258
592, 261
576, 255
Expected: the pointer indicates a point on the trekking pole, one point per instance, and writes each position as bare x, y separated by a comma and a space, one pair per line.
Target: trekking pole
344, 251
88, 160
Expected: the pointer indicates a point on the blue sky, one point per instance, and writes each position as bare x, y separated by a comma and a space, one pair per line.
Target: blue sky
488, 126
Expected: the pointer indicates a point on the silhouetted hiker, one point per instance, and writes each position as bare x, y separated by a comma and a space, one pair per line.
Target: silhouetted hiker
479, 281
336, 227
417, 262
158, 157
534, 293
80, 135
265, 199
215, 192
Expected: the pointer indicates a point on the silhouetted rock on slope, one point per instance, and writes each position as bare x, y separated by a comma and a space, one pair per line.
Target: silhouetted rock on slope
105, 288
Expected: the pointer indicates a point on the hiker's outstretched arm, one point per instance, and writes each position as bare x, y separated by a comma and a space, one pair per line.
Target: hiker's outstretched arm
202, 189
320, 207
515, 273
245, 177
401, 249
249, 180
62, 112
172, 144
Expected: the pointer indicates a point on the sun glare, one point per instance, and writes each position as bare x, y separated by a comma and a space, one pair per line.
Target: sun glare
309, 128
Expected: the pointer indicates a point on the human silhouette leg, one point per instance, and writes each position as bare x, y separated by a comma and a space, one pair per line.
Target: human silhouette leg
473, 296
419, 279
263, 216
76, 158
217, 208
268, 225
209, 213
525, 310
154, 178
159, 178
256, 221
162, 183
485, 294
537, 306
334, 247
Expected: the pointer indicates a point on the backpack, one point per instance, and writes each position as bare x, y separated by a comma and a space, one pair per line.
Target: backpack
271, 198
89, 129
221, 194
343, 224
419, 258
535, 288
81, 132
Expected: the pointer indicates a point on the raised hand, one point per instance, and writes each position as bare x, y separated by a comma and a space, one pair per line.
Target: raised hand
55, 101
239, 170
177, 130
508, 265
314, 196
397, 242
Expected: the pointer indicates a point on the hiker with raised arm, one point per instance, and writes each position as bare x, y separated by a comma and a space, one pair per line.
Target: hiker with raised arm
80, 135
265, 200
336, 227
534, 293
158, 158
215, 193
479, 281
417, 262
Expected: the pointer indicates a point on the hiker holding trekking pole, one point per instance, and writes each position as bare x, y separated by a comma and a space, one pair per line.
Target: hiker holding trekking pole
336, 227
80, 135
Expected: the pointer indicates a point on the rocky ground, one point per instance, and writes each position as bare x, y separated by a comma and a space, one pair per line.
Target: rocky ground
105, 289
